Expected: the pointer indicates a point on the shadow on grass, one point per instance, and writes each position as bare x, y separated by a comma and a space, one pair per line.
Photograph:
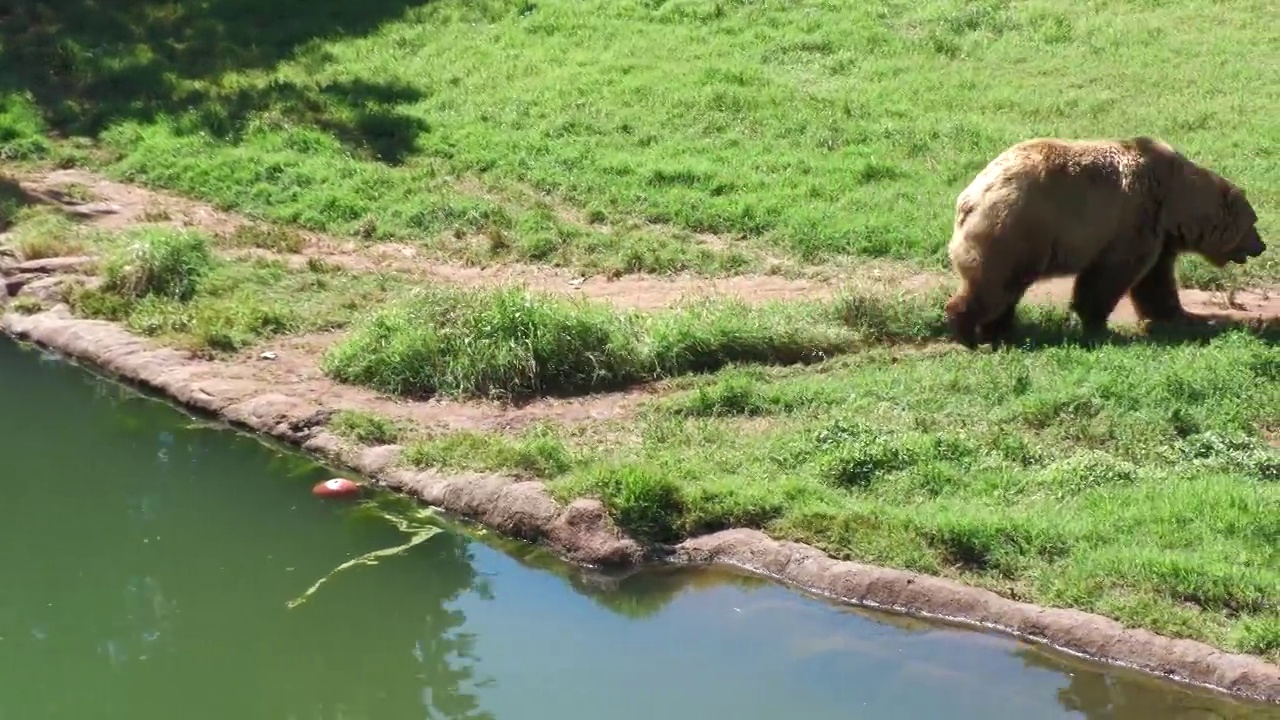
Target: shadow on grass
920, 319
1202, 329
88, 65
13, 197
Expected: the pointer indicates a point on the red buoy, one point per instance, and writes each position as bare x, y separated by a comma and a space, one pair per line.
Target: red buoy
336, 487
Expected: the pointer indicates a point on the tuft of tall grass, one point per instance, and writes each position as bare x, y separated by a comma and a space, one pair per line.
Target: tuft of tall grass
158, 262
490, 343
510, 343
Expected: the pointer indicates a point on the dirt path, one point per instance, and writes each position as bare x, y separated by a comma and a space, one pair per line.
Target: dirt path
118, 205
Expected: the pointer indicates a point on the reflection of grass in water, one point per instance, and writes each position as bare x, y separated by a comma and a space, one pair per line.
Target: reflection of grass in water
417, 522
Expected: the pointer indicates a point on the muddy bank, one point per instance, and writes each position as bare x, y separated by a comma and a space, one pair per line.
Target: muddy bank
582, 531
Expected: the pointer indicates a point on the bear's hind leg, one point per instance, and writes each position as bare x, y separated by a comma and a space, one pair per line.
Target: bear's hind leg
1155, 295
1097, 291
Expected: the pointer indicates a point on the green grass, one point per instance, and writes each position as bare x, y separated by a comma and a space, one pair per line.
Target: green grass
38, 232
158, 263
12, 201
504, 130
537, 451
22, 129
169, 284
367, 428
513, 344
1132, 480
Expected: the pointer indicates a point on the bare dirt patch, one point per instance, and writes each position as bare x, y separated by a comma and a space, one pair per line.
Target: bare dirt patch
583, 532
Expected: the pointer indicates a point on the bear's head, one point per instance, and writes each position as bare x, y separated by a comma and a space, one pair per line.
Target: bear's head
1213, 218
1234, 237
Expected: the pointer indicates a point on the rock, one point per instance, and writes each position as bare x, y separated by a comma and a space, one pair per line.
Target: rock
49, 289
374, 460
89, 210
15, 283
47, 266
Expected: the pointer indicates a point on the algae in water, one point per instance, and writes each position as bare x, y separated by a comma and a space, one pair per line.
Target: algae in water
415, 522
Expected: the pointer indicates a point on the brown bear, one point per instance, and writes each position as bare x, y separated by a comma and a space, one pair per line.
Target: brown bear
1113, 213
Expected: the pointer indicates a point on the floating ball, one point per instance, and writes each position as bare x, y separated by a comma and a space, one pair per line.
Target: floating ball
336, 487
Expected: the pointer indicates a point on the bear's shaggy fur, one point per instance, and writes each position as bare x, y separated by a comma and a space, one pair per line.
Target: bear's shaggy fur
1113, 213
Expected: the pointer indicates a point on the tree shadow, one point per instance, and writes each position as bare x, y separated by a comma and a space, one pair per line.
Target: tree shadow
13, 198
88, 65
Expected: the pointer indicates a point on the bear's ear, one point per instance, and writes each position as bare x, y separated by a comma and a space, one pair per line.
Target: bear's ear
1238, 204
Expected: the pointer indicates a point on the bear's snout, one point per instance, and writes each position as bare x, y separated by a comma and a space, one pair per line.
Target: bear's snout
1251, 247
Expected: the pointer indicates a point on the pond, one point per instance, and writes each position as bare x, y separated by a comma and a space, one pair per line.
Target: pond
154, 563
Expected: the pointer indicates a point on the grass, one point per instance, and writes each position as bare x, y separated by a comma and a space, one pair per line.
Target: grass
1131, 480
169, 284
367, 428
619, 135
12, 201
34, 231
537, 451
262, 236
40, 232
513, 344
158, 263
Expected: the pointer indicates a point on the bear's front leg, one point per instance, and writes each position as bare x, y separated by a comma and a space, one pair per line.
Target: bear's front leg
1098, 289
1000, 329
1155, 295
962, 312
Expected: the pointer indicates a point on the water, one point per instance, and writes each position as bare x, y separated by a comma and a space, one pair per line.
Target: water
149, 559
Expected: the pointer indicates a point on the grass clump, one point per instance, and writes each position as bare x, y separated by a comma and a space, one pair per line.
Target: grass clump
168, 284
161, 263
23, 305
23, 133
367, 428
642, 499
538, 451
267, 237
743, 392
509, 343
490, 343
43, 232
710, 334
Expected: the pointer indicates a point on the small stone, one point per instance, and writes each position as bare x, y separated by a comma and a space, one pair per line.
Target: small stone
49, 290
268, 355
54, 264
13, 285
94, 208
